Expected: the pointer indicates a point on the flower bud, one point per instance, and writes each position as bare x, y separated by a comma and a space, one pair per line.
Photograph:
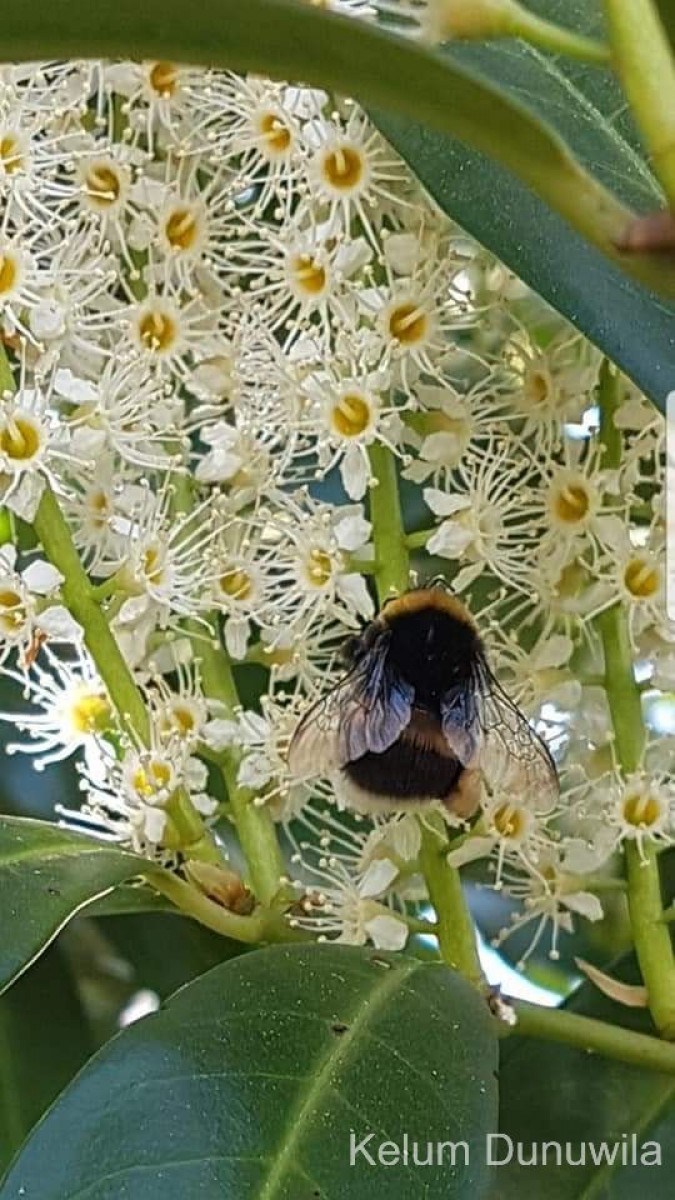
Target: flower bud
473, 18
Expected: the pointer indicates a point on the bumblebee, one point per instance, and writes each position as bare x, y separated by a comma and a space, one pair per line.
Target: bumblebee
419, 717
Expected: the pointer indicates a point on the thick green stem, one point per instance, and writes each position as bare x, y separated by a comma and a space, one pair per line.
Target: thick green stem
455, 929
557, 39
645, 63
51, 527
592, 1036
261, 926
392, 569
484, 19
650, 934
255, 828
53, 531
6, 378
623, 693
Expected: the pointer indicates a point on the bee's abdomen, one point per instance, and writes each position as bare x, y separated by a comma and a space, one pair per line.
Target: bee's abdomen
406, 771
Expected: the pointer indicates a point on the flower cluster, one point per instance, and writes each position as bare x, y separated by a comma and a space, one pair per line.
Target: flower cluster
219, 297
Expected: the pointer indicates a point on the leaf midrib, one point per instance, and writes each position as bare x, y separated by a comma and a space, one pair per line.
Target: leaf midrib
338, 1052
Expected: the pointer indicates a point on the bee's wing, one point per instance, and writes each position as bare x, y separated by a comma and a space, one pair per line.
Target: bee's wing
459, 721
367, 710
485, 729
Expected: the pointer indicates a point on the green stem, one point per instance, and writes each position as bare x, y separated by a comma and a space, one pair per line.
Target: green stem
186, 826
485, 19
623, 692
53, 531
419, 539
558, 40
255, 828
392, 569
7, 383
455, 932
645, 63
261, 926
590, 1035
650, 935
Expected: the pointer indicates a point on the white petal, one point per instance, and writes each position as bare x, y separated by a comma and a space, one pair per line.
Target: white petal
555, 651
88, 443
440, 448
196, 774
379, 875
255, 771
218, 466
80, 391
24, 499
352, 533
449, 540
387, 933
204, 804
48, 320
352, 589
444, 504
464, 578
353, 255
406, 838
586, 904
354, 473
8, 554
58, 624
220, 734
42, 577
253, 727
401, 252
154, 824
236, 637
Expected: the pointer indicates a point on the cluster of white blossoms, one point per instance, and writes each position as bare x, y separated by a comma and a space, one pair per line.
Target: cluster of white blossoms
218, 296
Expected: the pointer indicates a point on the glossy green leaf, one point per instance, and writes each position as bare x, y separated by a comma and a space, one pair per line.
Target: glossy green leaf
552, 1092
635, 327
47, 874
306, 42
44, 1040
250, 1081
129, 899
167, 950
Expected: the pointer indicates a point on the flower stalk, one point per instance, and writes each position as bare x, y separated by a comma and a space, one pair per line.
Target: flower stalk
650, 933
392, 567
79, 596
52, 529
645, 63
592, 1036
263, 925
255, 827
487, 19
455, 929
